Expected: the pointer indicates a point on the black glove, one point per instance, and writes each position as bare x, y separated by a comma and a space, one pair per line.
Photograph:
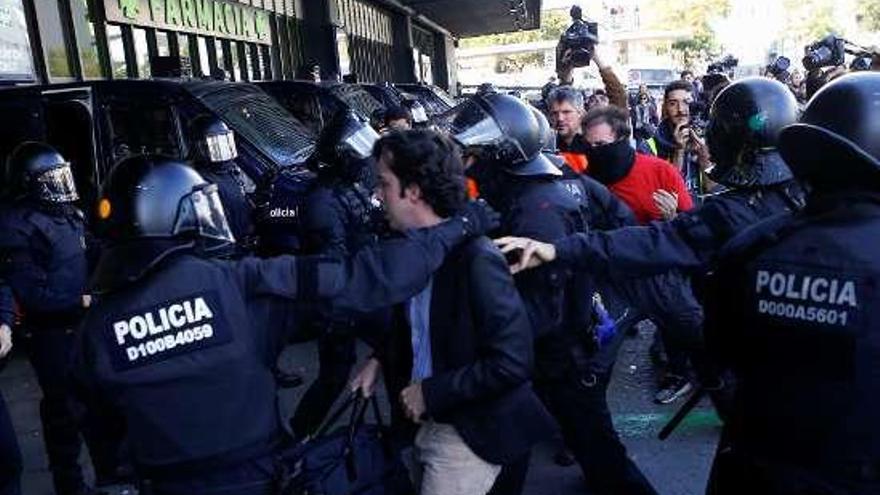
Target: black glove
479, 218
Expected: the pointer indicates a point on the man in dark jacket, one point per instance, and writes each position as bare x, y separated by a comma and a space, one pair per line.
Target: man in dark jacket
183, 343
460, 360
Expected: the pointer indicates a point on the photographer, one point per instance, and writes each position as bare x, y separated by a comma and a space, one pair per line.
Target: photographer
679, 141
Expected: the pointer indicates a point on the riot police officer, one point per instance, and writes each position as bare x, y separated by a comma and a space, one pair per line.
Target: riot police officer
340, 218
792, 307
43, 266
213, 155
745, 123
183, 343
503, 140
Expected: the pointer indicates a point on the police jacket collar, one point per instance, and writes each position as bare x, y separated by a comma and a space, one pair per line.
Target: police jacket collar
125, 263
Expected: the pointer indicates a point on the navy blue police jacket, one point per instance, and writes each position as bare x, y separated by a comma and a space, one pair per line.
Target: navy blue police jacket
689, 242
792, 307
186, 352
43, 264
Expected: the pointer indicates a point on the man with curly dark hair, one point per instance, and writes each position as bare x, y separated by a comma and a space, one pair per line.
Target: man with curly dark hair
459, 358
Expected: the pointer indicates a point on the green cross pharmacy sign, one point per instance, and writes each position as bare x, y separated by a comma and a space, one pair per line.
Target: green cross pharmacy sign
220, 18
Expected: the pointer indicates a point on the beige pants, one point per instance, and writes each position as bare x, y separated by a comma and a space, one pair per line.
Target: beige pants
445, 465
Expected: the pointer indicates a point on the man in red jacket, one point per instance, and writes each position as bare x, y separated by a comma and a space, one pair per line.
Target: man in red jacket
654, 190
652, 187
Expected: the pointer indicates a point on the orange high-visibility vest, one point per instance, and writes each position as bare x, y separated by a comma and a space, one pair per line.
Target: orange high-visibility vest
577, 161
473, 191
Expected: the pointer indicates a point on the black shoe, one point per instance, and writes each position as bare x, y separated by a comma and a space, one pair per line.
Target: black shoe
672, 388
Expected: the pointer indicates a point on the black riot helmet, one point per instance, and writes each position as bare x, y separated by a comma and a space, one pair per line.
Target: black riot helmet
744, 126
154, 197
38, 171
344, 144
501, 130
836, 140
212, 140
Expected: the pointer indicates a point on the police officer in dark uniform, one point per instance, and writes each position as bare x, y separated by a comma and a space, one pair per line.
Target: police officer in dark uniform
43, 266
213, 155
503, 139
340, 218
184, 343
10, 455
743, 131
792, 307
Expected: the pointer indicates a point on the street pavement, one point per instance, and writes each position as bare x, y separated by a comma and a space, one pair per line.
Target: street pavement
677, 466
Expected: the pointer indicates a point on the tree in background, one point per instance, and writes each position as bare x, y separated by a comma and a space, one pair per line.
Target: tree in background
694, 15
868, 14
807, 21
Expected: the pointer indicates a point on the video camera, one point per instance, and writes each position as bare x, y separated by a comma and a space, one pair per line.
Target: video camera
831, 51
578, 41
723, 66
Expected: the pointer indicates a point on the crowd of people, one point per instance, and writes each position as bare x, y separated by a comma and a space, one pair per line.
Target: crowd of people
743, 228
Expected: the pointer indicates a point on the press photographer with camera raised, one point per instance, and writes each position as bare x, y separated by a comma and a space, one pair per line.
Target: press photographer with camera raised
680, 140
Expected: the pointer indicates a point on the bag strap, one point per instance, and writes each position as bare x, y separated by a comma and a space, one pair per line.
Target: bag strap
332, 418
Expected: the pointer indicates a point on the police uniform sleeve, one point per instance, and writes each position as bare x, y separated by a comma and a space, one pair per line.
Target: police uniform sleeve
504, 340
324, 230
376, 276
630, 251
608, 212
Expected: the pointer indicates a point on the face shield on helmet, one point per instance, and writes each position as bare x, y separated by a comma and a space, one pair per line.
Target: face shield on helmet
56, 185
477, 131
220, 147
360, 141
201, 213
419, 115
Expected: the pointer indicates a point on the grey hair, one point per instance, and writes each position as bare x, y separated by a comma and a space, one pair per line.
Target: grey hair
567, 94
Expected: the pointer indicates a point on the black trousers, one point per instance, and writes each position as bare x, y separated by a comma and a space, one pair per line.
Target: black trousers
336, 357
10, 455
64, 418
735, 472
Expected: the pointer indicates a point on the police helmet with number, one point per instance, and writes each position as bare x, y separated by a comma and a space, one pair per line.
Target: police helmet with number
38, 171
743, 133
836, 140
154, 197
213, 141
502, 130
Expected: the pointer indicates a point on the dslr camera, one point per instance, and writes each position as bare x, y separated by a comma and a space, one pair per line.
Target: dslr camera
827, 52
578, 41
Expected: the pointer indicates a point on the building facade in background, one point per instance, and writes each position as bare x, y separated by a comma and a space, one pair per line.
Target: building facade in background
55, 41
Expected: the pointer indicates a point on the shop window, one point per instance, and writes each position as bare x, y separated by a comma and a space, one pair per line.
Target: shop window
86, 41
162, 47
204, 58
52, 34
183, 45
236, 62
117, 51
137, 129
142, 55
221, 59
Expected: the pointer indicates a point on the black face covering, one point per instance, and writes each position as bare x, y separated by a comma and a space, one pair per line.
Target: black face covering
609, 163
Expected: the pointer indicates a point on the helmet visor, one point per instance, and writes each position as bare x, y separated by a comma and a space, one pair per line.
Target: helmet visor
361, 141
419, 115
471, 125
221, 147
201, 212
56, 185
